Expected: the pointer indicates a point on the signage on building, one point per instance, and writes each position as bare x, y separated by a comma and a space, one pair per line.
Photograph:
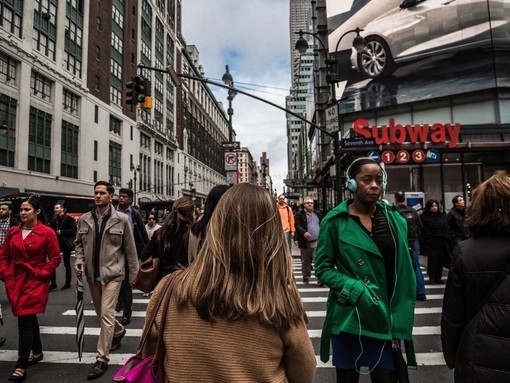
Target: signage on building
232, 178
332, 125
393, 133
230, 161
232, 145
355, 142
403, 156
374, 154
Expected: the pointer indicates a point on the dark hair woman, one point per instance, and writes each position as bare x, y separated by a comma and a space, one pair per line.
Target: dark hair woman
476, 306
28, 258
436, 241
170, 242
363, 257
198, 229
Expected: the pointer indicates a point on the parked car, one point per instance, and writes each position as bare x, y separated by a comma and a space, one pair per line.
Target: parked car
419, 29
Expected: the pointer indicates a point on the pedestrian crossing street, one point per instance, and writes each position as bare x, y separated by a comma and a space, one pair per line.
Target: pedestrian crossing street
426, 331
58, 332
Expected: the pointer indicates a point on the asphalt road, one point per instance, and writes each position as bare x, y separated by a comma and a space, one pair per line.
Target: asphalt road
61, 362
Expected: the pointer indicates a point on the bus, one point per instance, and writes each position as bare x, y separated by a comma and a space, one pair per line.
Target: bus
74, 205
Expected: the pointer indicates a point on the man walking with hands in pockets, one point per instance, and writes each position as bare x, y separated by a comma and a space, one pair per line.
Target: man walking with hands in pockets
307, 222
104, 244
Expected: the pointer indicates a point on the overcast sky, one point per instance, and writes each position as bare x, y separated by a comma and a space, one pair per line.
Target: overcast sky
252, 37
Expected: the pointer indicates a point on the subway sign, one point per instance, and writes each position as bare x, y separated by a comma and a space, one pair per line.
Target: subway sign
394, 133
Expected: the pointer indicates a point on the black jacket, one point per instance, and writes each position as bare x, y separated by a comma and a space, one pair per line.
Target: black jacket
478, 350
301, 225
456, 225
67, 227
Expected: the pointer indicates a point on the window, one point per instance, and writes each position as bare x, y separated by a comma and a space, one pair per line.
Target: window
96, 83
145, 141
98, 24
39, 141
95, 150
158, 148
98, 52
11, 16
40, 86
96, 114
7, 69
70, 102
114, 163
45, 29
69, 153
115, 125
8, 120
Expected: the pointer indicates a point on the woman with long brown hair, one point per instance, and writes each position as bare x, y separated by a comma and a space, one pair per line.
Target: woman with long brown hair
235, 314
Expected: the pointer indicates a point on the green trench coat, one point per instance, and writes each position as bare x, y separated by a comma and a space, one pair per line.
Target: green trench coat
349, 263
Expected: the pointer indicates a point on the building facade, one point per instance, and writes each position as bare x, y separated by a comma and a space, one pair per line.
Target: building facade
65, 123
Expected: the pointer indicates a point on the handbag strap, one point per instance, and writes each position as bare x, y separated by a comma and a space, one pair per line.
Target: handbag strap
493, 288
163, 299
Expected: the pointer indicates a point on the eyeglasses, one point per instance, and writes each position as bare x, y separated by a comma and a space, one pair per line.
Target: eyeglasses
309, 203
152, 218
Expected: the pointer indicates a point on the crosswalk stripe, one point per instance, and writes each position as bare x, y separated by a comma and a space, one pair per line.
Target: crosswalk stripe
423, 330
311, 313
422, 359
313, 333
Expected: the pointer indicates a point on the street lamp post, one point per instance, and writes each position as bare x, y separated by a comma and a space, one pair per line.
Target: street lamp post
229, 81
135, 170
332, 78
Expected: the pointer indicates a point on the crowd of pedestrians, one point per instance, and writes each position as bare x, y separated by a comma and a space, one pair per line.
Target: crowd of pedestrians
235, 291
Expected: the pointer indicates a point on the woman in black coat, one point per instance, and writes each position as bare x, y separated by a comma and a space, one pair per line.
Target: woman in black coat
170, 242
436, 242
476, 337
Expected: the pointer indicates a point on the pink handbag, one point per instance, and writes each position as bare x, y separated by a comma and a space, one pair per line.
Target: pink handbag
148, 370
140, 370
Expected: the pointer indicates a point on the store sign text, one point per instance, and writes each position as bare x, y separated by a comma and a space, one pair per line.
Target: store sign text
417, 133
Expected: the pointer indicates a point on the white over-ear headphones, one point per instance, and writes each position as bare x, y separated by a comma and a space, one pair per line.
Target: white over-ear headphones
351, 182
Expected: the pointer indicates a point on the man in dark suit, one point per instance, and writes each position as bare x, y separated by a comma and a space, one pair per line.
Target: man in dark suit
141, 239
65, 227
6, 220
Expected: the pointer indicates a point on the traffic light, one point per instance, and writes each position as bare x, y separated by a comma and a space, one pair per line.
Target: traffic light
147, 101
135, 90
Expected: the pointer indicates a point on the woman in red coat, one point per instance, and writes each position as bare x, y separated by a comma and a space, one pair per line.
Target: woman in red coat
28, 258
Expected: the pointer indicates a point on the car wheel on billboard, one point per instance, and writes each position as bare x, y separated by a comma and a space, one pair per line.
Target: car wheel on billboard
376, 60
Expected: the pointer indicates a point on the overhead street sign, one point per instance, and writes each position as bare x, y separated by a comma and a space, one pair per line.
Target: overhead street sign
332, 125
231, 145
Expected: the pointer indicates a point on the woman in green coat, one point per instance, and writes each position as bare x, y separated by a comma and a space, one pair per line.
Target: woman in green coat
363, 257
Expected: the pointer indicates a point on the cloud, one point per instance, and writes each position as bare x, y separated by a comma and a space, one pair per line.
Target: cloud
252, 37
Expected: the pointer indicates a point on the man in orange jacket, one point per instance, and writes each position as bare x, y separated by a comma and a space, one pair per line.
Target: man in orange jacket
287, 218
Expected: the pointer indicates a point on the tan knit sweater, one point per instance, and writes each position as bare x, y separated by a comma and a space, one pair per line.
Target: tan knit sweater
240, 351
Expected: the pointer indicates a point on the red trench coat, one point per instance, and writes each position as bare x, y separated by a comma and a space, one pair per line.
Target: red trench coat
26, 266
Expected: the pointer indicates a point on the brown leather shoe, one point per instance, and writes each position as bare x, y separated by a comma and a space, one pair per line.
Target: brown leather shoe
97, 370
117, 340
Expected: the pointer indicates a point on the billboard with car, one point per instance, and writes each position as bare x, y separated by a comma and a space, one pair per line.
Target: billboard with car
418, 49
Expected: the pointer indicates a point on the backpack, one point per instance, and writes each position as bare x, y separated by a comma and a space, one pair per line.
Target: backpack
411, 217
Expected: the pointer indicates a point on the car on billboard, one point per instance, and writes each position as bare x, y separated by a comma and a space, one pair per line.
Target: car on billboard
417, 29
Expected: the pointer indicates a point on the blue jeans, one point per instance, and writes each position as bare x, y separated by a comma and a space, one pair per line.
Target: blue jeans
420, 282
288, 236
